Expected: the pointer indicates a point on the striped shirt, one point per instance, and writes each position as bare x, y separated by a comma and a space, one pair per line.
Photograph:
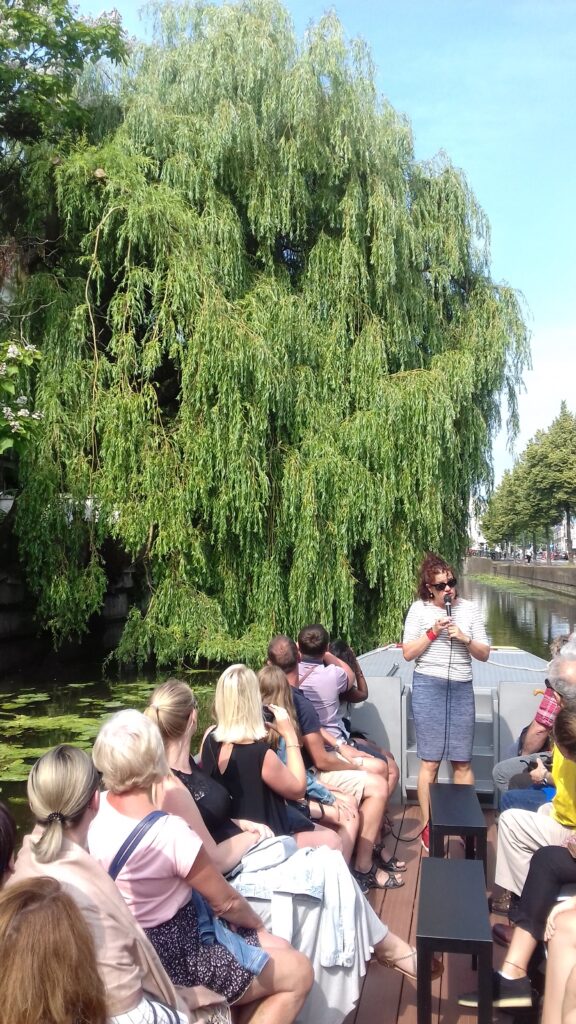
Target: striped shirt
445, 658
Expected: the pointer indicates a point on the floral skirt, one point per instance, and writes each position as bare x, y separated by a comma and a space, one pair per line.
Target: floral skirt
187, 962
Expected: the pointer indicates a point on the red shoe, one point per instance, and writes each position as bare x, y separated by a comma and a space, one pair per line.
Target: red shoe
425, 838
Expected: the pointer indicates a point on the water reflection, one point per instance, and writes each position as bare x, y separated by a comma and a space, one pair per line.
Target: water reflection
522, 617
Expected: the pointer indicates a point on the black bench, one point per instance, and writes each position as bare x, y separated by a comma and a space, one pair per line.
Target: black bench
453, 918
455, 811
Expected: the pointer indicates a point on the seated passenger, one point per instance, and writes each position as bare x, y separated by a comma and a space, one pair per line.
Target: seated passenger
63, 791
174, 891
356, 695
328, 681
360, 777
189, 792
48, 969
335, 809
535, 738
521, 833
237, 754
550, 869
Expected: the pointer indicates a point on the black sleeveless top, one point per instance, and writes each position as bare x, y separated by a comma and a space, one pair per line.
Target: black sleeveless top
242, 777
212, 800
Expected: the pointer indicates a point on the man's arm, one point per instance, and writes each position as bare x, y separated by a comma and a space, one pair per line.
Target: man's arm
535, 738
325, 760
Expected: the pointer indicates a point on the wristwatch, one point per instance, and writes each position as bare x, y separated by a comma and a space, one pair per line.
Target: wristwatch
340, 743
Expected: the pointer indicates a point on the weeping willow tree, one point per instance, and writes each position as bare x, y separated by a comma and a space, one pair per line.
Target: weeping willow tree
272, 352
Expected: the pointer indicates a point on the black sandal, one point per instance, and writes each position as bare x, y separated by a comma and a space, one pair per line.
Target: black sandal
390, 863
367, 880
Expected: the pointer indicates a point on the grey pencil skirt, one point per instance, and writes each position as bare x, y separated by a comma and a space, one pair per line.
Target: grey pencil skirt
444, 718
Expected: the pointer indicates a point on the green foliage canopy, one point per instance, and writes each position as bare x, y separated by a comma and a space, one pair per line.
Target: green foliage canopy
272, 352
540, 490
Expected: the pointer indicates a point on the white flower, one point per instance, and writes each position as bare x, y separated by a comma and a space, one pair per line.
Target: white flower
28, 347
24, 413
37, 415
2, 368
7, 412
21, 400
12, 352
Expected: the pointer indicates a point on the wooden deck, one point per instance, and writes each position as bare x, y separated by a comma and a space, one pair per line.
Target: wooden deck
387, 997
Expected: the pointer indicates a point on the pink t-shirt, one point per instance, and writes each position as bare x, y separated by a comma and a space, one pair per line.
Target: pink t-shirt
152, 880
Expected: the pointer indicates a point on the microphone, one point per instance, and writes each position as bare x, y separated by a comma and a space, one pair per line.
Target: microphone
448, 605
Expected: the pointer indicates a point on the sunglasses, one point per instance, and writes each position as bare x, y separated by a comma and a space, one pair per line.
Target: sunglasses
442, 586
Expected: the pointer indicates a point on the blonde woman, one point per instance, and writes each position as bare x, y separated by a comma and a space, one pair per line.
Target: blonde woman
238, 755
63, 792
48, 969
174, 891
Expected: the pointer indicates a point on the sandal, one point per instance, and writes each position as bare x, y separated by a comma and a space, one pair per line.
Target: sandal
388, 863
367, 880
397, 965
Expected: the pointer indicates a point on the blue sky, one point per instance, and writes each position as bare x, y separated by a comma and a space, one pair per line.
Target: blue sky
493, 83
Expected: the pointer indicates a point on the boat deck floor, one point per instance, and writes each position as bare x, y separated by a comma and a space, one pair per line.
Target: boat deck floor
386, 996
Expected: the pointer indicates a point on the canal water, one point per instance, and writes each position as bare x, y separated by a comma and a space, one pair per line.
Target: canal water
38, 712
520, 616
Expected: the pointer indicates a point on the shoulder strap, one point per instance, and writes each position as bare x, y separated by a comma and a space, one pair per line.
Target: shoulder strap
132, 841
306, 674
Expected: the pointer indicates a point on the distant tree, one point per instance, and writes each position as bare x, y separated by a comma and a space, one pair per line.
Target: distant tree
507, 516
552, 468
272, 351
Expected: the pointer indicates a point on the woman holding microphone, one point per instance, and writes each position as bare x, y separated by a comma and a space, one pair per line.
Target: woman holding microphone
442, 633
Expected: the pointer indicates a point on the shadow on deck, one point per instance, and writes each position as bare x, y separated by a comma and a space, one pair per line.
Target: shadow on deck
387, 997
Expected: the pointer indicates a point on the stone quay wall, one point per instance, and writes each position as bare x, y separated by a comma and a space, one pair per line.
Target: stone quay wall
560, 577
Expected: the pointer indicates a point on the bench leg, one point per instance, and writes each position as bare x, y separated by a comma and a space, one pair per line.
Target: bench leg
424, 984
482, 853
470, 847
436, 842
485, 986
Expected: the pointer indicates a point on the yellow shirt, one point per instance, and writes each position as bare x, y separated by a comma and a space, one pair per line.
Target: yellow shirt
564, 803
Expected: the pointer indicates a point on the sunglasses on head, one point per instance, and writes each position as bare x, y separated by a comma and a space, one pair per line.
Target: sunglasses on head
442, 586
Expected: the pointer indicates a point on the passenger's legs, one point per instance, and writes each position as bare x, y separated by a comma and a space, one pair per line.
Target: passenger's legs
280, 989
560, 970
321, 836
520, 834
342, 816
371, 811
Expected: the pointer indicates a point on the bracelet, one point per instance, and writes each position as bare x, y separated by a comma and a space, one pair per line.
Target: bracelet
288, 745
431, 634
